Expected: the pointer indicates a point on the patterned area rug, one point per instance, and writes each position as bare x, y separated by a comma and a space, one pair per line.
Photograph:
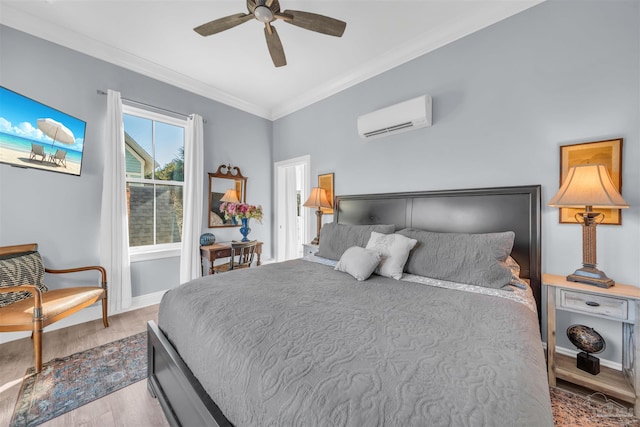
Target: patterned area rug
70, 382
570, 409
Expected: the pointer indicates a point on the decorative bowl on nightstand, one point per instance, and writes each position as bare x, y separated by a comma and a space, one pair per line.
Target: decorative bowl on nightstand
589, 341
586, 338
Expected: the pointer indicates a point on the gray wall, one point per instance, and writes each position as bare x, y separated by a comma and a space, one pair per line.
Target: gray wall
505, 99
62, 212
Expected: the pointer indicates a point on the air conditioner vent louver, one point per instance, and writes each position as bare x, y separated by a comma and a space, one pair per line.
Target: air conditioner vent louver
408, 115
389, 129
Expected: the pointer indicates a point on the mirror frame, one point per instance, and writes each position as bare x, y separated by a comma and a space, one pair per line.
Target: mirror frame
234, 174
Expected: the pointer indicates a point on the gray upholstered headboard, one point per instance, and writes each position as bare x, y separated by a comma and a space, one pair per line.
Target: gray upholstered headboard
482, 210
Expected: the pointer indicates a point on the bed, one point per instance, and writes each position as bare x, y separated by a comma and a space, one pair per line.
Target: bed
301, 343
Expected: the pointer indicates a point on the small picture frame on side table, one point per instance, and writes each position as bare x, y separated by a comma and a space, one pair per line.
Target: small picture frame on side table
326, 181
608, 153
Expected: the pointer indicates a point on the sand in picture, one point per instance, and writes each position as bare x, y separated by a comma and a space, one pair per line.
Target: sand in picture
17, 158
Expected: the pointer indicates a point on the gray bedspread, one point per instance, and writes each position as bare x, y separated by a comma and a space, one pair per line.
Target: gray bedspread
299, 344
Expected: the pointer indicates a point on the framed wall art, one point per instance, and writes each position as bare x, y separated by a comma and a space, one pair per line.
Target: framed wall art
326, 181
34, 135
608, 153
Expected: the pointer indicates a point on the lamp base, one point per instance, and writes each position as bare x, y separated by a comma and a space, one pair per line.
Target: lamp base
316, 241
591, 276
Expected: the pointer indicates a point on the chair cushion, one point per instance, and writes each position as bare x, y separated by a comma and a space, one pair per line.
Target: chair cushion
20, 269
54, 303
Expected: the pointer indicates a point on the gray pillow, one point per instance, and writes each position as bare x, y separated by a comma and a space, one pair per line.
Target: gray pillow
336, 238
358, 262
514, 267
476, 259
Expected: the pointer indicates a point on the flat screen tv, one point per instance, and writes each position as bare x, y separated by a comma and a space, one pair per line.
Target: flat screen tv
34, 135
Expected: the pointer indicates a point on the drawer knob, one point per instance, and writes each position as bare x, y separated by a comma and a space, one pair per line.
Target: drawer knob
592, 304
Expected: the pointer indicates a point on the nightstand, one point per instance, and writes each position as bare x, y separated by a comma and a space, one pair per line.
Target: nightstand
620, 303
308, 249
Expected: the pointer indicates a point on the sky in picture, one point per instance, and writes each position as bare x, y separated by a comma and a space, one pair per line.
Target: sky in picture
19, 116
168, 138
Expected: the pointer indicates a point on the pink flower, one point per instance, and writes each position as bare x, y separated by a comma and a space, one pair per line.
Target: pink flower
241, 210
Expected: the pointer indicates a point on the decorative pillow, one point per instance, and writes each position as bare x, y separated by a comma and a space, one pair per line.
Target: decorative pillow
20, 269
358, 262
476, 259
394, 249
336, 238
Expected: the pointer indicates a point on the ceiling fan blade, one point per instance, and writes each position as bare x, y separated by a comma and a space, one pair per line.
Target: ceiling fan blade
275, 46
314, 22
219, 25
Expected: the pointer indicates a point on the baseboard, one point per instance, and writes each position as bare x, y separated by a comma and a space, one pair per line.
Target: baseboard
87, 315
574, 353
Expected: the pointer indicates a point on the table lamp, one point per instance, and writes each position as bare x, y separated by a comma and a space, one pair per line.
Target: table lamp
589, 186
230, 196
317, 199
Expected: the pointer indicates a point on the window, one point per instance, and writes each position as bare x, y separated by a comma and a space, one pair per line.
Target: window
154, 154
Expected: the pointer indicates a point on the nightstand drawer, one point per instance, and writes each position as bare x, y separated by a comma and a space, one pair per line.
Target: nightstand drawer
309, 249
615, 308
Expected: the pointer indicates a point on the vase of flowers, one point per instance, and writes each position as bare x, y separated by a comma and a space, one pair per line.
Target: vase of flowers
245, 230
242, 212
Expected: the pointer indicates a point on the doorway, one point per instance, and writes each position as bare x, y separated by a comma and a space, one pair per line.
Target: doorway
292, 219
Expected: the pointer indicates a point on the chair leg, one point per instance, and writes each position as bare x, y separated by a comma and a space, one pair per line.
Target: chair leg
37, 345
105, 319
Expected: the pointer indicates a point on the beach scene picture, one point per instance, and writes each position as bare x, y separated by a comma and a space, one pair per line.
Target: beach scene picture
33, 135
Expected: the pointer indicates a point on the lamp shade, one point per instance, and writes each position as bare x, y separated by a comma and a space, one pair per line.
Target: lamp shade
588, 185
230, 196
317, 199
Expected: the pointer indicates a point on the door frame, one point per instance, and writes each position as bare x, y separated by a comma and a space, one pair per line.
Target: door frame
304, 161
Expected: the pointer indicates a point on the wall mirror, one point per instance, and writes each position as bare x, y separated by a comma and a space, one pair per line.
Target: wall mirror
227, 182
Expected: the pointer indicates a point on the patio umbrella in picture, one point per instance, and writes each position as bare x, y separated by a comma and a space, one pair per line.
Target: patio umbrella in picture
56, 131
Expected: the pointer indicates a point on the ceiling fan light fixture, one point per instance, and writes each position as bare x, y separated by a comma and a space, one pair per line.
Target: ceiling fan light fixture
263, 14
266, 11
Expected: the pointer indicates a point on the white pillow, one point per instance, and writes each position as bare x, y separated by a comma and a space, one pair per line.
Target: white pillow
394, 249
358, 262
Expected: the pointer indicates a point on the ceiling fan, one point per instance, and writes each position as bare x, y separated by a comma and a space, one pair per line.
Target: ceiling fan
268, 11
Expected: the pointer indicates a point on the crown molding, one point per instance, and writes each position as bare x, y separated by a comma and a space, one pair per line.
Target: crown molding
385, 62
81, 43
411, 50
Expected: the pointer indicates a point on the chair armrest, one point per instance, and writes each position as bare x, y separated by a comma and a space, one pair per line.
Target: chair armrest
102, 271
32, 289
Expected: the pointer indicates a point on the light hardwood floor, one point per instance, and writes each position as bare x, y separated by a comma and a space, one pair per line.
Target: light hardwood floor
131, 406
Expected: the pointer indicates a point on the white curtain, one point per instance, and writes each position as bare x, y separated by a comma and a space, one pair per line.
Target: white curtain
192, 200
114, 227
291, 214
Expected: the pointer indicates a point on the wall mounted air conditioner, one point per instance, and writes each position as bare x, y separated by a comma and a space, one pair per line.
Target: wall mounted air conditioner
405, 116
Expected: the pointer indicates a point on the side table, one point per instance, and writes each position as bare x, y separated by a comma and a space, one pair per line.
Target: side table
620, 303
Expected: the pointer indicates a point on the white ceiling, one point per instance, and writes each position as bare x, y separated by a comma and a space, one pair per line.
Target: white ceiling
156, 38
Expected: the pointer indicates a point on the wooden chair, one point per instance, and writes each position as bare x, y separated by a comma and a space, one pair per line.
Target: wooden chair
27, 305
242, 254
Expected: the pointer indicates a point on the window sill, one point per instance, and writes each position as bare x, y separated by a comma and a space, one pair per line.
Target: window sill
153, 254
